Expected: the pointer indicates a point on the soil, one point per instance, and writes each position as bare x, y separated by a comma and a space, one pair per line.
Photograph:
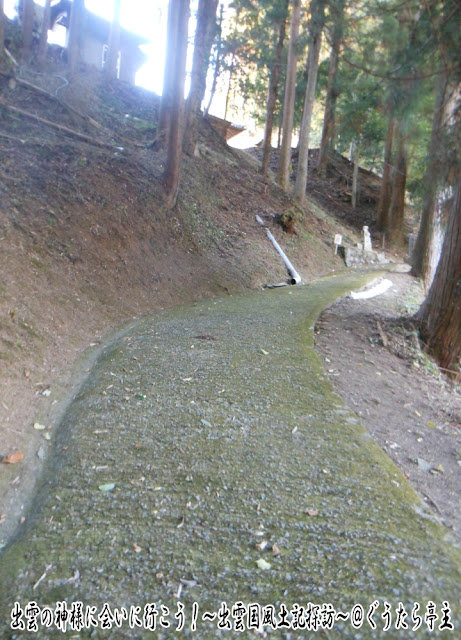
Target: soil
370, 351
86, 246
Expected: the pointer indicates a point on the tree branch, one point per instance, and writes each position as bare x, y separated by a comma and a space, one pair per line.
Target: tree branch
58, 127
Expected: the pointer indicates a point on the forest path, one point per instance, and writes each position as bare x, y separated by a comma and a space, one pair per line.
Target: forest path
207, 460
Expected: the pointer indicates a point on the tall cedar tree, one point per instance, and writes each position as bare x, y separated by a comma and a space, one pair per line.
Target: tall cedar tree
385, 193
74, 49
439, 317
355, 157
398, 186
315, 40
232, 66
2, 34
217, 65
328, 131
421, 262
179, 14
113, 50
403, 87
28, 14
168, 74
442, 152
204, 34
272, 92
283, 174
43, 45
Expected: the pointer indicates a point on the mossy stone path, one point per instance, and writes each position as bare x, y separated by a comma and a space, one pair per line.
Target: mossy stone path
207, 460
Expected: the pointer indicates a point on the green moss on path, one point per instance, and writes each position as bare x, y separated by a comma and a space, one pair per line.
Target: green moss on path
219, 430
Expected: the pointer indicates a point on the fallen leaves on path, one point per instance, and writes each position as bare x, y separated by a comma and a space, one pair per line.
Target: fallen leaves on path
13, 458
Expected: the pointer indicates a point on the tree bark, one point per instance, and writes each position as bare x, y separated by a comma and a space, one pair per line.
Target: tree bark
316, 28
218, 60
272, 94
422, 250
399, 179
355, 172
329, 118
2, 34
113, 51
206, 19
172, 172
279, 132
28, 13
283, 174
58, 127
43, 45
439, 317
74, 48
229, 86
168, 74
384, 202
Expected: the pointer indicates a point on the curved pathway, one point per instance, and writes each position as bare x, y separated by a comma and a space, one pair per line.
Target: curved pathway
207, 462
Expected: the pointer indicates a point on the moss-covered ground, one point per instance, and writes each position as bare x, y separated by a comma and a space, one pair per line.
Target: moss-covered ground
207, 460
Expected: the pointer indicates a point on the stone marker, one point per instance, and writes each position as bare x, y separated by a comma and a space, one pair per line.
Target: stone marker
366, 240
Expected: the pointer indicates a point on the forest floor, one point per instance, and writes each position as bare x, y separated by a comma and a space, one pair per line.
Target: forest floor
370, 350
86, 246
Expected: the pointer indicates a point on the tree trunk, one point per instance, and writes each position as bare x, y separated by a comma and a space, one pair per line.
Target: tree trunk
432, 176
399, 179
74, 49
206, 19
355, 172
329, 118
2, 34
218, 60
28, 13
316, 27
437, 234
168, 74
283, 174
113, 51
43, 45
175, 135
229, 86
439, 317
386, 183
272, 94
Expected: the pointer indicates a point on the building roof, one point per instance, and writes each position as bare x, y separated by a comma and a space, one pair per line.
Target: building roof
224, 127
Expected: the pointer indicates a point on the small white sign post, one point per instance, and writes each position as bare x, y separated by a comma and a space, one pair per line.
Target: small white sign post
366, 240
338, 241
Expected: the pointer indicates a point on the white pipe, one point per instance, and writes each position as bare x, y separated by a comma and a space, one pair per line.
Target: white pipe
295, 277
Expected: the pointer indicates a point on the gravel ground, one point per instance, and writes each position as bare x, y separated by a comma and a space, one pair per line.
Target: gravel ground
207, 460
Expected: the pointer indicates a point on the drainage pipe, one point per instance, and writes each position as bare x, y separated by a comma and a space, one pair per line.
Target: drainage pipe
295, 278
